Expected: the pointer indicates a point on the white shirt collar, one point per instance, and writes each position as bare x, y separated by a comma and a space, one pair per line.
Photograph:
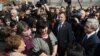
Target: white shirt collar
97, 30
60, 25
62, 22
17, 18
88, 35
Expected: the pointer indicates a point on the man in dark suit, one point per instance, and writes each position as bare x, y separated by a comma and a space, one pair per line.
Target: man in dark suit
64, 34
90, 40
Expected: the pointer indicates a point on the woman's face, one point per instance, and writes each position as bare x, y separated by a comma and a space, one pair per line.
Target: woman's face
22, 46
27, 32
44, 31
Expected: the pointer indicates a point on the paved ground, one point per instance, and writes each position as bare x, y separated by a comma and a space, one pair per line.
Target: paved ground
75, 3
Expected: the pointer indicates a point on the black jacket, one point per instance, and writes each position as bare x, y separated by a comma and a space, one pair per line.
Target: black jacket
64, 35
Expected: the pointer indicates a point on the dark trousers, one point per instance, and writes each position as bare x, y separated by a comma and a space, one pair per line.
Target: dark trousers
61, 51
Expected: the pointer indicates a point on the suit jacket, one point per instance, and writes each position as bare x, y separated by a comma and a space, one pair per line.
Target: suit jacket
97, 51
90, 44
64, 35
75, 50
98, 34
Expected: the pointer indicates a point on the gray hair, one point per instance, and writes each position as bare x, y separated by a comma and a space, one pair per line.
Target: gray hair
94, 23
14, 11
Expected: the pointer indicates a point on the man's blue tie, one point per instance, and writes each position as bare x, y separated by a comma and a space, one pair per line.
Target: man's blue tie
59, 26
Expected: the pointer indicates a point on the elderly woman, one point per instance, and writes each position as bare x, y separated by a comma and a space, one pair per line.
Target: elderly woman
16, 46
45, 43
25, 32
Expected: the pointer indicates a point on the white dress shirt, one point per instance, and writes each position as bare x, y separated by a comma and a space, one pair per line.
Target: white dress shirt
89, 35
60, 25
97, 30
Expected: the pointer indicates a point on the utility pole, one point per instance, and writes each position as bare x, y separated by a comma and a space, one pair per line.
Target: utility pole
80, 4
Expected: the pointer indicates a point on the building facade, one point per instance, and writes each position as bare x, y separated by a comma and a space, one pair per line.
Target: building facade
58, 2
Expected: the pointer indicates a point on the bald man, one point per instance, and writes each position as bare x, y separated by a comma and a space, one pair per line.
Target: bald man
14, 15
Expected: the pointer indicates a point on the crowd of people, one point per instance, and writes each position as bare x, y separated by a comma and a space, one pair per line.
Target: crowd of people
41, 30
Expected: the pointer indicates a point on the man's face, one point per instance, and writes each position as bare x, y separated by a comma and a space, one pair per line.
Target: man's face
97, 15
57, 11
13, 13
62, 10
88, 28
61, 17
82, 12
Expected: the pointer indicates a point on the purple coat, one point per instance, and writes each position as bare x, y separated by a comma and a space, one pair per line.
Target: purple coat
28, 42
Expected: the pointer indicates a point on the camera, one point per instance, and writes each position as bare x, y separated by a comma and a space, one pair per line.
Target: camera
76, 14
38, 4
